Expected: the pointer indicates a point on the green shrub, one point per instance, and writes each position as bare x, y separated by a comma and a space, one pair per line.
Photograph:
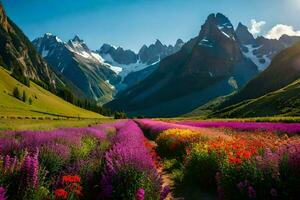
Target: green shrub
129, 180
201, 167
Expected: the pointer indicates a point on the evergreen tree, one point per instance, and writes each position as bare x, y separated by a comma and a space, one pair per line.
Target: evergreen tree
30, 101
16, 93
24, 96
120, 115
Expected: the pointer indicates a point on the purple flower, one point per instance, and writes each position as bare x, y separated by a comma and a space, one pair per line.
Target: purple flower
128, 151
165, 192
247, 126
140, 194
29, 170
2, 194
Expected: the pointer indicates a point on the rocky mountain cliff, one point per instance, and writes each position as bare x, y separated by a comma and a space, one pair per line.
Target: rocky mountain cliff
284, 70
262, 50
18, 55
78, 64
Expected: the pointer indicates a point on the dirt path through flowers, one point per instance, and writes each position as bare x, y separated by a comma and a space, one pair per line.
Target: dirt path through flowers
182, 192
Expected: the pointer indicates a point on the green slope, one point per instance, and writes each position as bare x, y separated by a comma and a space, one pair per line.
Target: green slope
45, 104
283, 70
283, 102
207, 109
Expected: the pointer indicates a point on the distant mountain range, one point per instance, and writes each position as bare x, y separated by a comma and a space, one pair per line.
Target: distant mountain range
85, 69
125, 62
99, 75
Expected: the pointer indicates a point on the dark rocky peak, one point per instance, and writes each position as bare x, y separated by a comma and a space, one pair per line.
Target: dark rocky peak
106, 48
178, 45
243, 35
158, 43
179, 42
47, 44
222, 20
143, 48
118, 54
215, 24
77, 39
49, 37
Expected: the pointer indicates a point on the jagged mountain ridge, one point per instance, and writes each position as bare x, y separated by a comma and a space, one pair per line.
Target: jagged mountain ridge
126, 62
212, 60
78, 64
262, 50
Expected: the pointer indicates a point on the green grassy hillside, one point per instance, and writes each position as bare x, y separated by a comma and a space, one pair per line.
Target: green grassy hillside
283, 102
44, 104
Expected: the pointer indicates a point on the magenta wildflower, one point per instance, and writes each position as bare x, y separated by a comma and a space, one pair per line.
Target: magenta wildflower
7, 163
2, 194
127, 152
247, 126
140, 194
29, 170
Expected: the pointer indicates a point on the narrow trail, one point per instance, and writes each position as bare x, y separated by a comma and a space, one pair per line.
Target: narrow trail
180, 192
167, 181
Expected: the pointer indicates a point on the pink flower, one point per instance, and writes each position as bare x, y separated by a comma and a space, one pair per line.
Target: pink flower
140, 194
2, 193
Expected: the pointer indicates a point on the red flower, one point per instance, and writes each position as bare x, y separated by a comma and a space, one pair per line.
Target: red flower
60, 194
71, 179
247, 155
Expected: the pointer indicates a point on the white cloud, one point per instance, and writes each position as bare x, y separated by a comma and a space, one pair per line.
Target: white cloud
256, 26
280, 29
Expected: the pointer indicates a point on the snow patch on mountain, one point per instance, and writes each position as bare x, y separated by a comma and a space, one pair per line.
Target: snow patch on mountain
205, 42
261, 62
122, 69
110, 85
45, 53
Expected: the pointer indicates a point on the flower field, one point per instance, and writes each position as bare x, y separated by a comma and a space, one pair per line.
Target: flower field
130, 159
258, 163
108, 161
290, 128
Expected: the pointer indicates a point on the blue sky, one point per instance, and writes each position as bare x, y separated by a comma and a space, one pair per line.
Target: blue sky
132, 23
